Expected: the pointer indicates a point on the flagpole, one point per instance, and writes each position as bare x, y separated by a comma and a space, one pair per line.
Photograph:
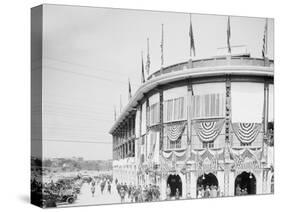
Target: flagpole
190, 56
162, 47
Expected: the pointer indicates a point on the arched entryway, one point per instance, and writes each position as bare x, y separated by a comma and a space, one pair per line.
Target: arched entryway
207, 185
272, 184
174, 182
245, 183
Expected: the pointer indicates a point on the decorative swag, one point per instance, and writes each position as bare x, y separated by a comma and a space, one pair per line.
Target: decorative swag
175, 131
246, 132
208, 131
179, 155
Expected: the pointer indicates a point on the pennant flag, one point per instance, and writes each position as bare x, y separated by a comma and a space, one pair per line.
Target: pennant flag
115, 115
147, 59
130, 90
121, 104
162, 46
142, 69
191, 37
228, 35
264, 47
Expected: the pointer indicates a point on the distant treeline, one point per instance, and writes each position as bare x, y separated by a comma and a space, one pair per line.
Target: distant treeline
69, 164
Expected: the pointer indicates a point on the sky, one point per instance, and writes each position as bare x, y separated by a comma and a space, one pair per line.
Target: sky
89, 54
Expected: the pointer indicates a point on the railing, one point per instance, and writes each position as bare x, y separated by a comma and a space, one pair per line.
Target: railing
213, 62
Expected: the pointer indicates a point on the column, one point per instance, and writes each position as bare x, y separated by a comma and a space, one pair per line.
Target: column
189, 115
227, 134
161, 137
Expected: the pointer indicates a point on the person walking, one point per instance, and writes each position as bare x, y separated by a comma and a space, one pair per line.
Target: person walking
109, 187
93, 189
122, 194
177, 194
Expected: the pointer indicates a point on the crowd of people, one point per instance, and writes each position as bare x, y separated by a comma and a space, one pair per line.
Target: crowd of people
133, 193
208, 191
104, 183
241, 191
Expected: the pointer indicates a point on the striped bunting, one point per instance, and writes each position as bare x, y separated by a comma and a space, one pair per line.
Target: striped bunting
208, 131
246, 132
175, 131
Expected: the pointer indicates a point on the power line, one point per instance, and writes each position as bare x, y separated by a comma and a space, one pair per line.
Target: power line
86, 66
87, 75
73, 116
76, 141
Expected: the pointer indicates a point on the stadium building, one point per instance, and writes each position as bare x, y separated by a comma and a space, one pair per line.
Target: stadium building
205, 122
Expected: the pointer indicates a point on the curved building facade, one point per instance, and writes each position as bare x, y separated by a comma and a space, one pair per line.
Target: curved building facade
199, 124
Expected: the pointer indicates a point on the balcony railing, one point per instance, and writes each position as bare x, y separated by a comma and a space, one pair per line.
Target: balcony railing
213, 62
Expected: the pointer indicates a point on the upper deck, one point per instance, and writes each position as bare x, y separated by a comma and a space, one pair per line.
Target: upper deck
235, 65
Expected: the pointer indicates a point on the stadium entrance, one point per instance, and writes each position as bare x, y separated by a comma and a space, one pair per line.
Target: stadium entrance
174, 181
206, 182
245, 183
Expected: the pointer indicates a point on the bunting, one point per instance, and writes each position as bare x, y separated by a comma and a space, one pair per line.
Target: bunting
208, 131
246, 132
174, 131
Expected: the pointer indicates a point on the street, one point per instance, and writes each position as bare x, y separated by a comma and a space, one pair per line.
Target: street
85, 196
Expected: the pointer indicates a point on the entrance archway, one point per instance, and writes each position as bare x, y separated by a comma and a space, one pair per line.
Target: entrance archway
245, 183
207, 181
174, 181
272, 184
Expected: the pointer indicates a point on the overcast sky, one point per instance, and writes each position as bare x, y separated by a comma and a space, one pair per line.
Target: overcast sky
89, 54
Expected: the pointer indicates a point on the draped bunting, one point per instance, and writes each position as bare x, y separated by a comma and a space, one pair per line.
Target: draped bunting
246, 132
208, 131
246, 159
167, 154
175, 131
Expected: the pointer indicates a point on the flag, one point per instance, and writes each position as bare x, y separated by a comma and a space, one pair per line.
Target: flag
142, 69
115, 115
121, 104
191, 37
130, 90
228, 35
162, 46
147, 59
264, 47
